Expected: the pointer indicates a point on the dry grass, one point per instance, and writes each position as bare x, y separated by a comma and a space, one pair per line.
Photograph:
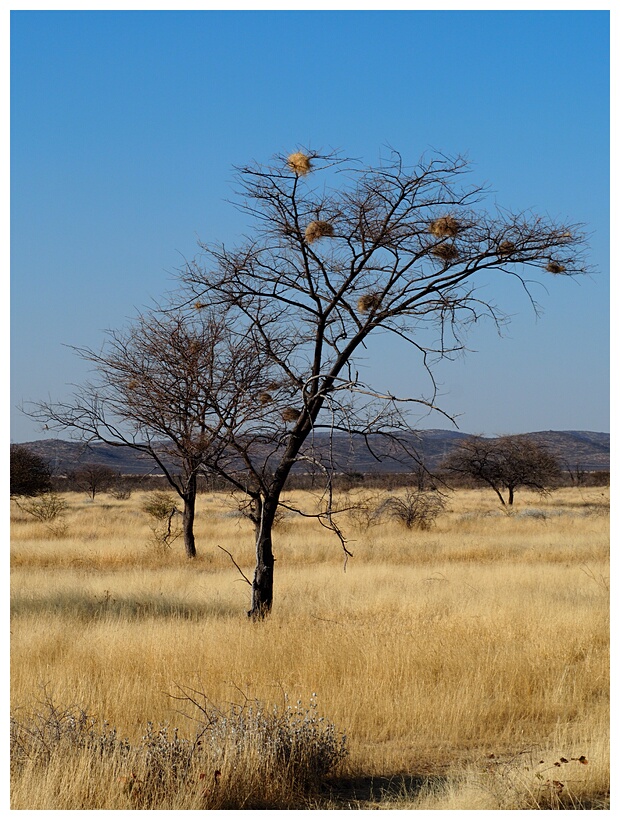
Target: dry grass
455, 659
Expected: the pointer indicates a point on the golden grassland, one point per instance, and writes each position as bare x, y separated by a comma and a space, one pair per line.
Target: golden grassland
468, 664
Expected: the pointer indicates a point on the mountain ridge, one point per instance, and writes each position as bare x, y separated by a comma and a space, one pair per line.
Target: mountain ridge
575, 449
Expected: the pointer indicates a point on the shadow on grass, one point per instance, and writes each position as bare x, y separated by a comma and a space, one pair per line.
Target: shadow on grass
98, 607
358, 792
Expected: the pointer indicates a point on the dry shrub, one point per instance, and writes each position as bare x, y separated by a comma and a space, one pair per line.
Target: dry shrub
445, 226
299, 163
243, 757
290, 414
46, 508
368, 302
159, 505
555, 267
162, 508
318, 229
417, 509
446, 252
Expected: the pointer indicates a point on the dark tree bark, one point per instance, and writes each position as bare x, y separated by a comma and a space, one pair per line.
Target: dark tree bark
262, 583
189, 512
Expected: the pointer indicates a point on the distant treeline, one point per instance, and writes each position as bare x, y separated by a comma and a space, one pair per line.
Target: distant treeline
123, 485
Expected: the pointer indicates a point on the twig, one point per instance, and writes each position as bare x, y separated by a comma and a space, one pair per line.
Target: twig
243, 575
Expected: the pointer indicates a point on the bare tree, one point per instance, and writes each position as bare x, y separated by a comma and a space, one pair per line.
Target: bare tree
505, 464
176, 389
93, 478
337, 254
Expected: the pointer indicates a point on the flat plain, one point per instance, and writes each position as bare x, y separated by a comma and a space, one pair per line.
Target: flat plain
468, 663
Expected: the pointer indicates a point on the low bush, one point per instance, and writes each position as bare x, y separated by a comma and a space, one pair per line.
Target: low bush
416, 509
244, 757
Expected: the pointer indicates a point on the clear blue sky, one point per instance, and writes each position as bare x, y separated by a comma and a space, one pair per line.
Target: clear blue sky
125, 127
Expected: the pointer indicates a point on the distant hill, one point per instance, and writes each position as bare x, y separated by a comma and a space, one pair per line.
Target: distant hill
575, 449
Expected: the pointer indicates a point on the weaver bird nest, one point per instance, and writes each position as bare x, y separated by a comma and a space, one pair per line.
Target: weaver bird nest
265, 398
446, 252
318, 229
368, 302
444, 226
506, 247
290, 414
299, 163
555, 267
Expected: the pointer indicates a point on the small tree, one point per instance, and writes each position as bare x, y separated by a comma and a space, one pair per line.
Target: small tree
93, 478
505, 464
176, 388
30, 474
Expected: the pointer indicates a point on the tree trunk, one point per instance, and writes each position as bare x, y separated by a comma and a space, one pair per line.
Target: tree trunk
262, 584
511, 495
189, 510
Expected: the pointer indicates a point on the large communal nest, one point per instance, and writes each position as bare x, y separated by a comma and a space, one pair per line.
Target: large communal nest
368, 302
446, 252
554, 267
290, 414
318, 229
299, 163
445, 226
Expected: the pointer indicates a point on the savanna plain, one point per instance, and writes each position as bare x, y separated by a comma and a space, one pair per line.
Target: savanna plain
464, 666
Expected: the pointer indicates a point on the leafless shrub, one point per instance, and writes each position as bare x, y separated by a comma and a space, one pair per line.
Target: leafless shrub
46, 508
362, 510
162, 508
244, 756
121, 492
293, 737
53, 729
417, 509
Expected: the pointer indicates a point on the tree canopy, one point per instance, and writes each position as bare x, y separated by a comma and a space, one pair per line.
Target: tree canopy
30, 474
